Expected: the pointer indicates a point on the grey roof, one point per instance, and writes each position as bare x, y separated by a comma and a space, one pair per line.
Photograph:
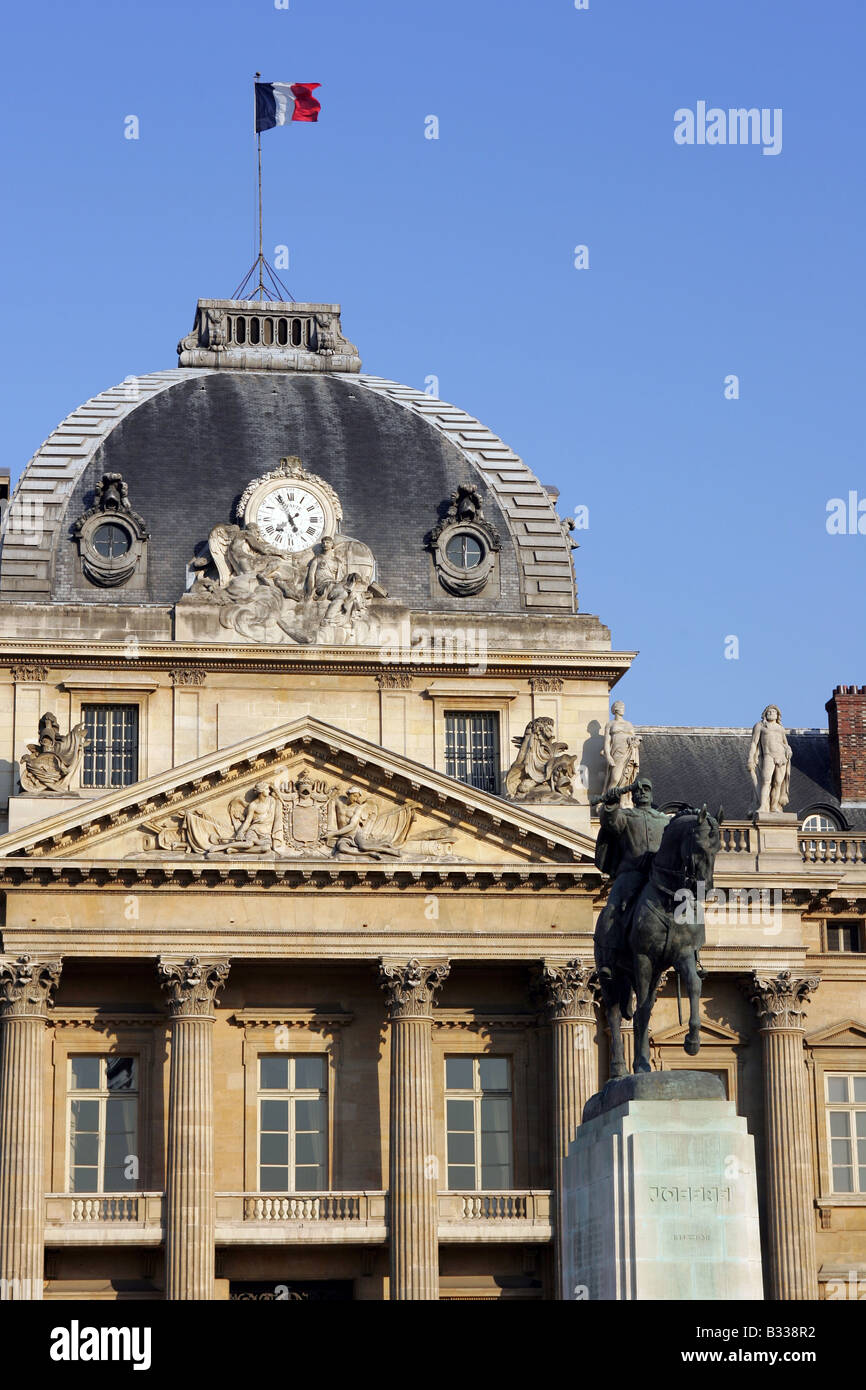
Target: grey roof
709, 765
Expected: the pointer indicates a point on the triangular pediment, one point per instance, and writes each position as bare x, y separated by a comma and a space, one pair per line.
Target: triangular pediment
711, 1033
849, 1032
305, 793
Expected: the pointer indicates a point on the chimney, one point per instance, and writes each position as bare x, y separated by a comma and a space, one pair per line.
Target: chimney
847, 713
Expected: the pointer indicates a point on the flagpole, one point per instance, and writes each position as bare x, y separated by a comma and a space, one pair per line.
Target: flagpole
261, 284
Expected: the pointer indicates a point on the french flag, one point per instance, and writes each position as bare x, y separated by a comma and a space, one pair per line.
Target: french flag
277, 103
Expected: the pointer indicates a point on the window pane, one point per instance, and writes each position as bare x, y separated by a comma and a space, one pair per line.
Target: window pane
495, 1149
85, 1180
839, 1126
274, 1073
85, 1073
495, 1113
309, 1073
275, 1114
120, 1073
472, 748
494, 1073
274, 1148
310, 1148
461, 1179
458, 1074
111, 753
843, 1180
859, 1088
85, 1116
837, 1088
841, 1151
274, 1179
495, 1176
461, 1148
860, 1123
121, 1116
309, 1180
461, 1115
85, 1149
309, 1114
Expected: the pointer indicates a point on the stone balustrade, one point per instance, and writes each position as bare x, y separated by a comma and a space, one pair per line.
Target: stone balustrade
833, 847
110, 1218
496, 1216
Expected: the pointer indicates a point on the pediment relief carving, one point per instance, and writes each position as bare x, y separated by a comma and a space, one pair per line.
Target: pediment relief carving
294, 813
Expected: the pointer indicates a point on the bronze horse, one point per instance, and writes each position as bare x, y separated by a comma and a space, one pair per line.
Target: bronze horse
666, 929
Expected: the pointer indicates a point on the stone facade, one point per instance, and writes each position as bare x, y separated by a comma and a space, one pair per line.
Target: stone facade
340, 999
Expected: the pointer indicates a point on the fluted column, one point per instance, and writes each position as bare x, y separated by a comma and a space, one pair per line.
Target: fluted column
26, 989
570, 998
780, 1001
191, 987
414, 1188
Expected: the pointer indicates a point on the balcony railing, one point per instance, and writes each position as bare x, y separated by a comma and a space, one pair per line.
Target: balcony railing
278, 1218
495, 1216
109, 1218
736, 837
836, 848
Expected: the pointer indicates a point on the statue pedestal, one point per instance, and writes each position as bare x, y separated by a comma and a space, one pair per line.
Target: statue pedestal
33, 806
660, 1198
778, 848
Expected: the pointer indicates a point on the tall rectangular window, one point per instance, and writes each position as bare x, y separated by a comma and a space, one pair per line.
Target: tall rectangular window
111, 755
478, 1122
293, 1123
472, 748
844, 936
103, 1124
846, 1117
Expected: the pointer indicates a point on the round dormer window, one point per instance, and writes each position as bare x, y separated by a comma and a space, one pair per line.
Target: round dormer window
464, 551
111, 540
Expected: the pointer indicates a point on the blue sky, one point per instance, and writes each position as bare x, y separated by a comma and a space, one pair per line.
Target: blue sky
455, 257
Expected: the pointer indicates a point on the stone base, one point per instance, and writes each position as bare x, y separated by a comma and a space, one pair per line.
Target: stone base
660, 1196
777, 844
28, 808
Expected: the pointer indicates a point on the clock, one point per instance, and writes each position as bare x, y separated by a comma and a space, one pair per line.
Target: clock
292, 508
290, 516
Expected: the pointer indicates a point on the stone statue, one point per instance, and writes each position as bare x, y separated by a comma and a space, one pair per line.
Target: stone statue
49, 765
769, 761
543, 770
268, 595
356, 827
621, 750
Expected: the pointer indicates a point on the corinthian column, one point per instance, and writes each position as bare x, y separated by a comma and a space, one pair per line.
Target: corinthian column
570, 1000
191, 986
414, 1190
26, 987
780, 1001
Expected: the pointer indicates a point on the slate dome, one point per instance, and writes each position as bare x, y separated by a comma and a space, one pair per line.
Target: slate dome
188, 441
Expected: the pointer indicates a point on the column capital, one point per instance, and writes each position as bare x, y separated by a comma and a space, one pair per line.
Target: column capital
780, 1000
27, 986
568, 989
192, 985
410, 985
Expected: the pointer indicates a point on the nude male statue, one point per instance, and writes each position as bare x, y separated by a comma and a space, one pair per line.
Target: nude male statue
769, 761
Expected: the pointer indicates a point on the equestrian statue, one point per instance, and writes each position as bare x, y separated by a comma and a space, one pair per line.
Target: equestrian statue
653, 918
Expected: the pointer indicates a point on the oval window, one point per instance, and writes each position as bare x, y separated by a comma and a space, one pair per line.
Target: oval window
111, 540
464, 551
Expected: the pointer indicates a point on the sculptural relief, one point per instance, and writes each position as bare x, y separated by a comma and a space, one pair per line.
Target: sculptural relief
280, 574
50, 764
621, 752
303, 819
543, 770
769, 761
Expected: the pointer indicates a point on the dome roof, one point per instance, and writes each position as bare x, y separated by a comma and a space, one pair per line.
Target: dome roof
187, 443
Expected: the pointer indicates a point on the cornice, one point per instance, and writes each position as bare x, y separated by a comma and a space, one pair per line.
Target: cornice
316, 1020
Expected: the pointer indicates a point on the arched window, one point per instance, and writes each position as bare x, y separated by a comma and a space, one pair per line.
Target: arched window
818, 824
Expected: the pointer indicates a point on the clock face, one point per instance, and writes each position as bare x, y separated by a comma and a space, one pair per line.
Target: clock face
291, 517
